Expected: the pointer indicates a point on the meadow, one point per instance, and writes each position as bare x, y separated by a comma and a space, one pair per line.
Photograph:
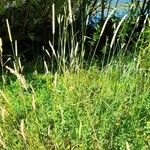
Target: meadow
68, 102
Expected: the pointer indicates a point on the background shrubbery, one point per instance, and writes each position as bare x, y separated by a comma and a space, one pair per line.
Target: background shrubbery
31, 24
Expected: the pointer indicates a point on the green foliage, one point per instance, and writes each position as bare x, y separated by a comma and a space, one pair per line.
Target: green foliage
103, 110
95, 108
144, 54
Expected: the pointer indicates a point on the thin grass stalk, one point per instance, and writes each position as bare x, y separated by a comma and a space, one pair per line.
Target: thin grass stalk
45, 63
19, 77
72, 28
109, 57
22, 130
53, 55
60, 40
127, 146
59, 33
146, 18
84, 15
53, 21
46, 67
142, 31
47, 53
80, 130
101, 33
113, 40
105, 49
1, 55
33, 102
10, 37
4, 113
64, 41
53, 50
70, 12
116, 31
53, 32
33, 98
74, 59
82, 51
17, 64
81, 59
121, 52
2, 143
57, 56
136, 24
65, 38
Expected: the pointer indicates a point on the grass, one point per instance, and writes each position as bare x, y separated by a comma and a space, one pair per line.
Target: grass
90, 109
71, 106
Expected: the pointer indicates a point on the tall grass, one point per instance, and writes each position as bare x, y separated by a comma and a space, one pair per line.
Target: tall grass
91, 109
70, 107
69, 52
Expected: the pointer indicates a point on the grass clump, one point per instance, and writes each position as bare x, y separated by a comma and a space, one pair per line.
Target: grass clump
90, 109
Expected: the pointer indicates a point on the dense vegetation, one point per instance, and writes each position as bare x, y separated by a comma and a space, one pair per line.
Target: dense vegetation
70, 80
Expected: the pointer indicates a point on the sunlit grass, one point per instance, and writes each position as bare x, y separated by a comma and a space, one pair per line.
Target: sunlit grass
95, 109
72, 106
